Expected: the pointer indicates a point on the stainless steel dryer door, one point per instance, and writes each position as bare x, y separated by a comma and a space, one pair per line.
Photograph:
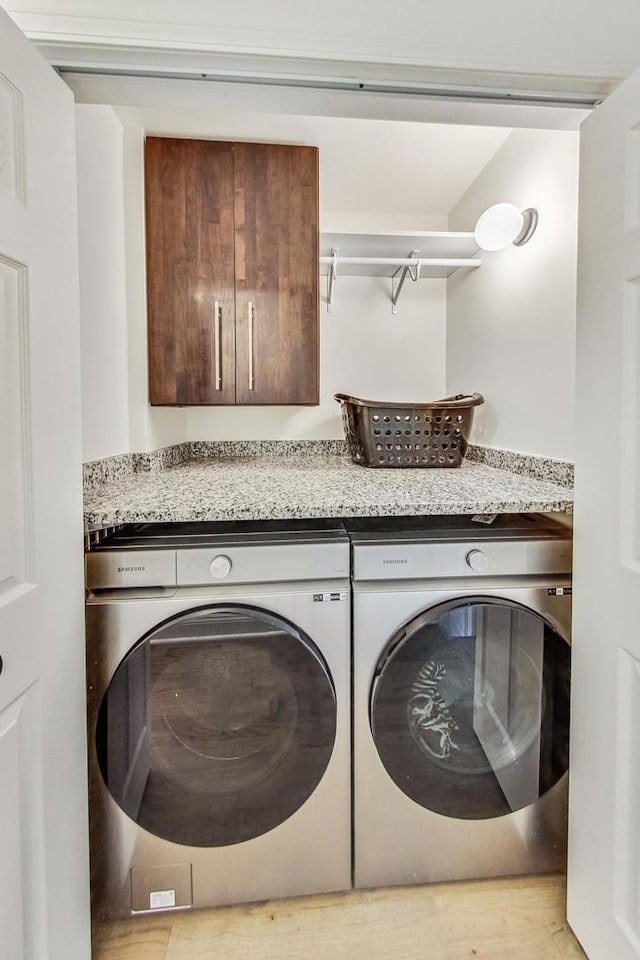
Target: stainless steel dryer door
469, 708
217, 726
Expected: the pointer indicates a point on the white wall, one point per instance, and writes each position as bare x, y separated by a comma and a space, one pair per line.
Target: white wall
364, 350
149, 427
116, 417
103, 308
367, 166
367, 181
511, 323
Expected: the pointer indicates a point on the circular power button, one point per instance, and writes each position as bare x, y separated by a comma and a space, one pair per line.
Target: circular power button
220, 567
477, 560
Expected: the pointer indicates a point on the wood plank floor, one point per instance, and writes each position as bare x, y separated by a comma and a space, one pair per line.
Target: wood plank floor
507, 919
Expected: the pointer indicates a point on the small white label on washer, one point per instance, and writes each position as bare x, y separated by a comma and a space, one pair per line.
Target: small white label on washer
162, 898
484, 517
323, 597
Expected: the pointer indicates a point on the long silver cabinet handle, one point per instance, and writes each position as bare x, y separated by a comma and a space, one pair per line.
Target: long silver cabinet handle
250, 322
217, 353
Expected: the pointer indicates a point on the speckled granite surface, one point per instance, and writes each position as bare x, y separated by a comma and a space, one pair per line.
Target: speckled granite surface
97, 472
310, 484
542, 468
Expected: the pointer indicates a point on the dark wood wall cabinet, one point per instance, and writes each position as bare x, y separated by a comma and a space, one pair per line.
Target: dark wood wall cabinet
232, 272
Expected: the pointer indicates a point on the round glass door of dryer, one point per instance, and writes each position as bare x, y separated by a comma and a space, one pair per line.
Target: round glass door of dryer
217, 726
469, 708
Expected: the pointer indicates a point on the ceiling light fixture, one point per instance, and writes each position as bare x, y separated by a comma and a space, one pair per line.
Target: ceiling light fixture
504, 223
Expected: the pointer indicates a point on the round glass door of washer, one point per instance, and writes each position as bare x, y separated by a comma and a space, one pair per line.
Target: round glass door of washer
469, 708
217, 726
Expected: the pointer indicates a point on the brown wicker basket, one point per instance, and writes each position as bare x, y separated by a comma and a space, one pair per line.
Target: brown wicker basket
408, 435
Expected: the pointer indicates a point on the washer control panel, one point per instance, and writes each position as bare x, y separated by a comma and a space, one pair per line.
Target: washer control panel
261, 563
220, 556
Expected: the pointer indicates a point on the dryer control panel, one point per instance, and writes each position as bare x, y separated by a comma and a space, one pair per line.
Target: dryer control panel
429, 548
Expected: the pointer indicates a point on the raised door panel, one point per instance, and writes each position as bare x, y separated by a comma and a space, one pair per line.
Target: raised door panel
190, 271
44, 875
276, 240
22, 872
603, 882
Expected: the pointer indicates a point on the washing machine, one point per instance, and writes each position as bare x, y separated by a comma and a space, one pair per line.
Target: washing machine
218, 664
461, 697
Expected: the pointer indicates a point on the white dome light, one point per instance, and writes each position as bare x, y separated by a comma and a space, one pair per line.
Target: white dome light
504, 223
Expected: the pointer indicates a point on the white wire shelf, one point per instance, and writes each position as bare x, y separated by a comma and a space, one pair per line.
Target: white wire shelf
433, 254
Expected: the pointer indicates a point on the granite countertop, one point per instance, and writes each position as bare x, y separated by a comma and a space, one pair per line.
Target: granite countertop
270, 487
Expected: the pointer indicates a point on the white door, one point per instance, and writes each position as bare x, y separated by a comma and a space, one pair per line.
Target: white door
604, 841
44, 903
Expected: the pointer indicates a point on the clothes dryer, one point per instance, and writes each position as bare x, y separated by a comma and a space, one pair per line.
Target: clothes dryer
218, 660
461, 697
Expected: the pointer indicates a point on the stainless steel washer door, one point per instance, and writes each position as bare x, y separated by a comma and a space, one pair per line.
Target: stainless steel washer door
217, 726
469, 708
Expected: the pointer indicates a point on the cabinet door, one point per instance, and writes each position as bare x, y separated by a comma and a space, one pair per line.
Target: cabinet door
190, 271
276, 242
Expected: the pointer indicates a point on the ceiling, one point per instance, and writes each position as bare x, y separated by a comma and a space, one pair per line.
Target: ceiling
334, 74
571, 48
416, 167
